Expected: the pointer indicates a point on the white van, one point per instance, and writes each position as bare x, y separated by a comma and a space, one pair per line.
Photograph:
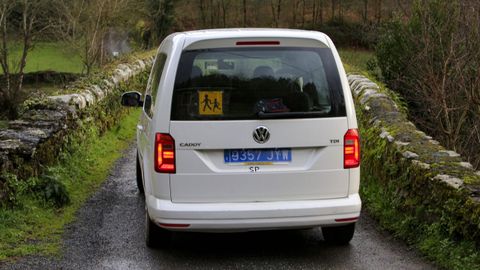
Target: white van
248, 129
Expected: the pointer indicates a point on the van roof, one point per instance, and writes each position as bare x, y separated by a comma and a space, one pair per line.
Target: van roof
198, 35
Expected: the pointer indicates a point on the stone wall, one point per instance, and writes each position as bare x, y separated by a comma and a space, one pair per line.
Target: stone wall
429, 183
37, 137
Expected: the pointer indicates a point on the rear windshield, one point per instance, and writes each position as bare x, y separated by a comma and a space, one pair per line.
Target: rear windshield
257, 83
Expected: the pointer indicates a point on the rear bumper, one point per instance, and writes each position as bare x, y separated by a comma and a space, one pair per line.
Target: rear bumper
252, 216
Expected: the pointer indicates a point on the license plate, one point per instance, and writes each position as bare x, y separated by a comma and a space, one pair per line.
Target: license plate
276, 155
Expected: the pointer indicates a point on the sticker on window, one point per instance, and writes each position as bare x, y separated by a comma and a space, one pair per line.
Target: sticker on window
210, 102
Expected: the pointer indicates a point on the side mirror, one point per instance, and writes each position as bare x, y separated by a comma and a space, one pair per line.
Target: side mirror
132, 99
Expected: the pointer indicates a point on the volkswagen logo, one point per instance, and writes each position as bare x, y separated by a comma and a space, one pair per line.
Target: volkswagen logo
261, 134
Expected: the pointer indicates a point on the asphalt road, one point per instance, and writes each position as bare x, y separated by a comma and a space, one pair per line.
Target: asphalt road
109, 234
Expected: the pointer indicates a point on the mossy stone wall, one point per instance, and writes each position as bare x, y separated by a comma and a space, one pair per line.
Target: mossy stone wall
48, 126
408, 173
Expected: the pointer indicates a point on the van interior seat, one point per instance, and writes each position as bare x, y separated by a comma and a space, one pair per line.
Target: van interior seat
263, 71
196, 72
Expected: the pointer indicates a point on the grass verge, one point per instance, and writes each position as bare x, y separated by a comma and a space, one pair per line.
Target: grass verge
36, 227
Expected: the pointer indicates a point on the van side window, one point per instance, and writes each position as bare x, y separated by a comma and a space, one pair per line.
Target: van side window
152, 88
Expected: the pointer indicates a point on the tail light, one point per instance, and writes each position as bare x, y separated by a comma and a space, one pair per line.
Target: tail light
351, 149
164, 153
257, 43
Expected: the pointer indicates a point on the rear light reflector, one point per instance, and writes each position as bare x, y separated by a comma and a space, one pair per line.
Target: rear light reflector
346, 219
164, 153
351, 149
252, 43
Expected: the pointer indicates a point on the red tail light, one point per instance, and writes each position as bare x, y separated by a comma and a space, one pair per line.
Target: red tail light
251, 43
164, 153
351, 149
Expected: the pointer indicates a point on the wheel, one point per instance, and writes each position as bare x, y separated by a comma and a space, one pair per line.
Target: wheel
139, 177
339, 235
156, 237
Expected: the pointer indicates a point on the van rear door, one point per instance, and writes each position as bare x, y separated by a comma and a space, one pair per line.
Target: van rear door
258, 124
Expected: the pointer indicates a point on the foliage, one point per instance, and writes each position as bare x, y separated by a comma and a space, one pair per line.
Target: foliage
84, 25
52, 190
432, 59
11, 188
160, 14
350, 34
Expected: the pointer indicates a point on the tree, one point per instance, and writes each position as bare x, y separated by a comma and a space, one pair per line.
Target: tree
21, 21
365, 12
83, 24
276, 8
244, 13
443, 90
224, 5
317, 10
161, 14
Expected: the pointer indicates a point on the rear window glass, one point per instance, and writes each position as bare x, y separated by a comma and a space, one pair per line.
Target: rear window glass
257, 83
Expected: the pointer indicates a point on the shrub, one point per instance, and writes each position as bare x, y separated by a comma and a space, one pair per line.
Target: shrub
50, 189
349, 34
11, 188
432, 60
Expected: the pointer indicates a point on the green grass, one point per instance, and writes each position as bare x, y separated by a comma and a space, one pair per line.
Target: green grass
35, 227
50, 56
355, 60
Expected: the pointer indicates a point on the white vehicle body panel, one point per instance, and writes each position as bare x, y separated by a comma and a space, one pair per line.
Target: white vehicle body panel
312, 190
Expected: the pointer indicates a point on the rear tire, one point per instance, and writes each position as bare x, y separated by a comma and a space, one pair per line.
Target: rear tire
141, 190
339, 235
156, 237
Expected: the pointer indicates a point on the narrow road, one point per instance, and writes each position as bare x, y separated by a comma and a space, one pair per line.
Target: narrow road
109, 234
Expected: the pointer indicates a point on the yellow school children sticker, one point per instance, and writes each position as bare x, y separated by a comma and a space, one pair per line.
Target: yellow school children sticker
210, 102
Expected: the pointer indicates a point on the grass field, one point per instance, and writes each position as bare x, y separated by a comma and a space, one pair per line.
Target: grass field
51, 56
355, 60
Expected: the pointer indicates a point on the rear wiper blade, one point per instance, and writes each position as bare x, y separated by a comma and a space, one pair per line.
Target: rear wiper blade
265, 115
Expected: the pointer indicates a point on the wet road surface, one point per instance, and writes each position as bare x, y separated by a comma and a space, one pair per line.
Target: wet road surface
109, 234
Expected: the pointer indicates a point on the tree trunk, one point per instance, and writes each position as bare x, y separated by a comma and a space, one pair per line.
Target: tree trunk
365, 11
224, 13
244, 13
314, 13
203, 16
333, 11
212, 14
321, 11
303, 13
276, 11
378, 14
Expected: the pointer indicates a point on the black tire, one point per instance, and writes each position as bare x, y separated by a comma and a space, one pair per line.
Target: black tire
139, 177
339, 235
156, 237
